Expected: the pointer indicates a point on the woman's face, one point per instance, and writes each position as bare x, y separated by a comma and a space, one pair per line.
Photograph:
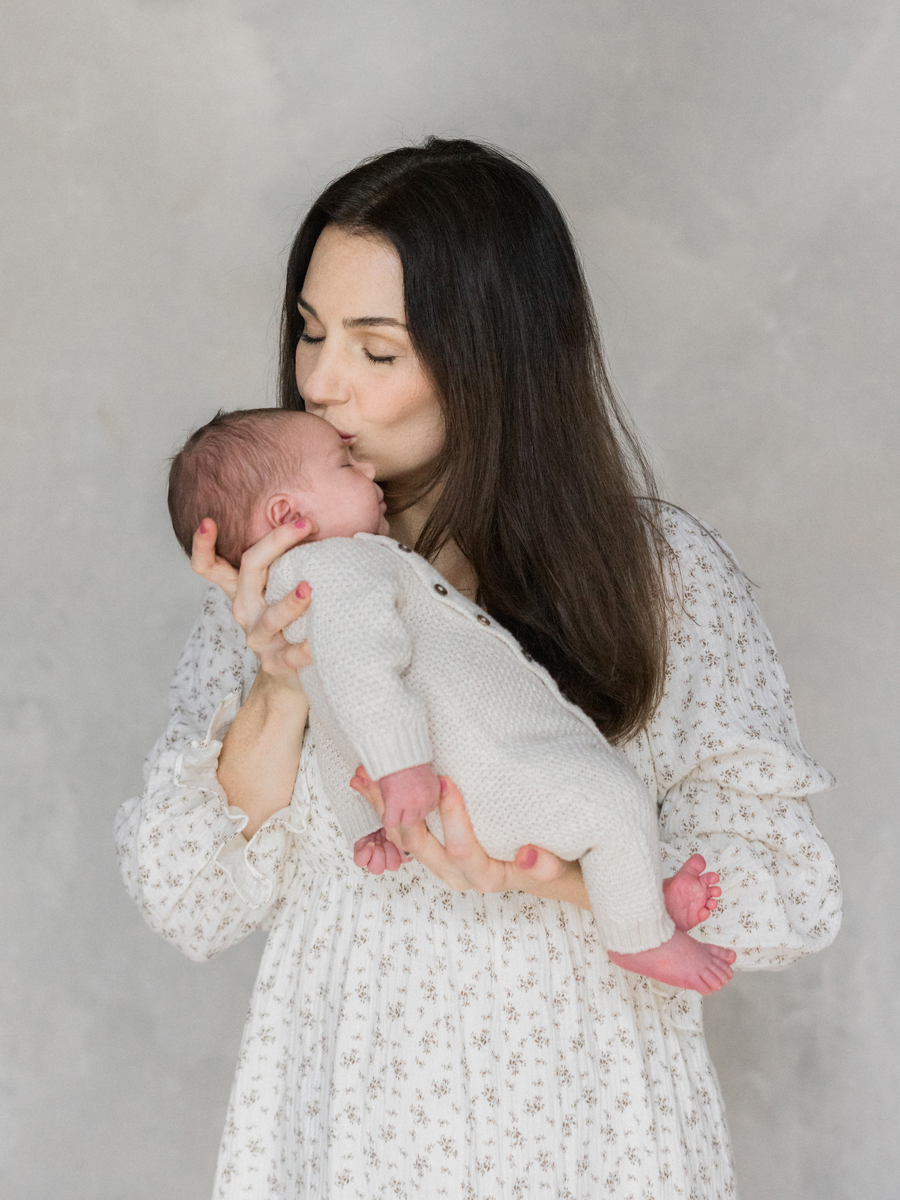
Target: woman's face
355, 363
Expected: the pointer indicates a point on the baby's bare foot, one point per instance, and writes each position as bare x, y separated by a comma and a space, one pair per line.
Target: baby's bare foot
681, 962
691, 895
376, 853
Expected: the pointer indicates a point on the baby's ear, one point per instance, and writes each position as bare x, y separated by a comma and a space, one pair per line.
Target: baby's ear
282, 509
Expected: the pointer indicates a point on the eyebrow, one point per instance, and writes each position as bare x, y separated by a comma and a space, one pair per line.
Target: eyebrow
353, 322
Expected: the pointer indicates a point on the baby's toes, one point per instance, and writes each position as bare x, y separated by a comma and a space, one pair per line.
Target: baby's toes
712, 980
722, 973
727, 956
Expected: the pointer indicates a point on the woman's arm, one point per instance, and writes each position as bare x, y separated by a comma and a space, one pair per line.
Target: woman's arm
261, 751
732, 774
183, 857
203, 869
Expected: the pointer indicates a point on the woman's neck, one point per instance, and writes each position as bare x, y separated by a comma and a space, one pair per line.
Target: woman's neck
407, 527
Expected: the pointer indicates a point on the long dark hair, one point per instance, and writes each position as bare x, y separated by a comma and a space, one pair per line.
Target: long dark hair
542, 474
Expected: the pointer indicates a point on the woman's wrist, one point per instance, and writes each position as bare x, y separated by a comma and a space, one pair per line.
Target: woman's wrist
261, 752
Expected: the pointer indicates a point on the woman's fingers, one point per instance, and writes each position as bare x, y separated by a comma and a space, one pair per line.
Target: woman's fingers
269, 626
249, 601
461, 862
539, 864
368, 789
207, 563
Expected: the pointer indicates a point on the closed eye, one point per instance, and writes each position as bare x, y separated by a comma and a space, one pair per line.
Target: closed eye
386, 358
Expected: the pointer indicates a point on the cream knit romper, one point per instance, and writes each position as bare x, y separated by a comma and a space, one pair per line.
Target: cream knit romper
406, 670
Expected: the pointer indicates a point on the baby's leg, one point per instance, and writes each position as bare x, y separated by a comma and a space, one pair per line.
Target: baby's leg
691, 895
681, 962
376, 853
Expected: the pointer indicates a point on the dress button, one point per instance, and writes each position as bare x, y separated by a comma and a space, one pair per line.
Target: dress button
440, 589
483, 619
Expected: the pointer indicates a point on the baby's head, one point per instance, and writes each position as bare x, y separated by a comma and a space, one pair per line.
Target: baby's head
258, 468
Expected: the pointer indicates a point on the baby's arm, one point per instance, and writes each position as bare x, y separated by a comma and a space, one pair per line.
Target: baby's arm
360, 648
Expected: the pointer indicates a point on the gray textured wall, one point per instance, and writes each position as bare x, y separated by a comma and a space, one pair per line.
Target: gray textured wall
731, 172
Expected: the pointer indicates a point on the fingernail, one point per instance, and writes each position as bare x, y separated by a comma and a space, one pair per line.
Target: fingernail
202, 528
529, 859
443, 791
302, 590
300, 524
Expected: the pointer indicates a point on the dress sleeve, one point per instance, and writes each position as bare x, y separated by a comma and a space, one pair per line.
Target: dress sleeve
732, 775
184, 860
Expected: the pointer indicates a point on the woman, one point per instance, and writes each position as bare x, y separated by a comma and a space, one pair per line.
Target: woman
407, 1038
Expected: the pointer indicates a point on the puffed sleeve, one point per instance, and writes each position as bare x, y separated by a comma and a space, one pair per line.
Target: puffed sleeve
184, 860
732, 775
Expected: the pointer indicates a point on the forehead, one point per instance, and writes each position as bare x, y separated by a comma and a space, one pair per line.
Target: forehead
354, 275
314, 435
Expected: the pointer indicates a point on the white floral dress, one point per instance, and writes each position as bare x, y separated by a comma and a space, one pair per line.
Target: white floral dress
408, 1041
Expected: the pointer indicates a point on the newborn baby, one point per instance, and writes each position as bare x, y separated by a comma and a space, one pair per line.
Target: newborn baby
410, 678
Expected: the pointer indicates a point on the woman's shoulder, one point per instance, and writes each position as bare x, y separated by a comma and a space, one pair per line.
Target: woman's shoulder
689, 537
702, 572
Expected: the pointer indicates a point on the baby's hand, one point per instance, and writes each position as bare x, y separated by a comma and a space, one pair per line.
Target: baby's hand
409, 795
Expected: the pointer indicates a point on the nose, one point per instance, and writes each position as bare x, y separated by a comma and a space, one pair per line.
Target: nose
368, 469
325, 383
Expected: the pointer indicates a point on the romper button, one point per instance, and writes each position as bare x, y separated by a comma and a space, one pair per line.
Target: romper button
528, 657
400, 546
483, 619
440, 589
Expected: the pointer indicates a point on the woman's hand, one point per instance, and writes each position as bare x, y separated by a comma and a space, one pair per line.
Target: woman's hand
263, 625
462, 863
261, 751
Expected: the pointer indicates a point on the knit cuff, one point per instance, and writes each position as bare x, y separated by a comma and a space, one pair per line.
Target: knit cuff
395, 749
634, 934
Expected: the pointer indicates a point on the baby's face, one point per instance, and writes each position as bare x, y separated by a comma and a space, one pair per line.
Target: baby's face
337, 493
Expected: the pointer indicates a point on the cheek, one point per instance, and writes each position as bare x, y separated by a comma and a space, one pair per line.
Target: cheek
301, 365
400, 399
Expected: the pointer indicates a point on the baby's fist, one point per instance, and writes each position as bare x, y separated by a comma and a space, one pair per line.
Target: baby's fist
409, 795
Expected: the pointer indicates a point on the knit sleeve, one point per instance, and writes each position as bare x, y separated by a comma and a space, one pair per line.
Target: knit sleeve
732, 773
184, 860
360, 648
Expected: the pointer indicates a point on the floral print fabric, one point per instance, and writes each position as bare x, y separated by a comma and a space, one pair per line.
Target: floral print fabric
408, 1041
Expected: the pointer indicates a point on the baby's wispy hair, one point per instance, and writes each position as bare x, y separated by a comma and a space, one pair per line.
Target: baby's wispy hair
224, 470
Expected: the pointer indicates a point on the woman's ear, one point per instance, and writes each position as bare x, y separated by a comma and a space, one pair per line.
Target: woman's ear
282, 509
